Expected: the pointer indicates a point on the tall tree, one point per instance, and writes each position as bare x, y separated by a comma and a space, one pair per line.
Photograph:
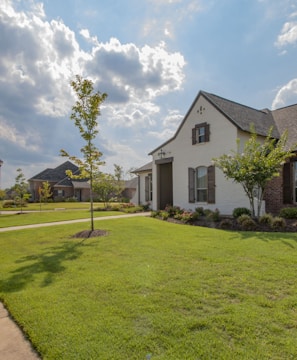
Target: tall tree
21, 189
84, 114
256, 165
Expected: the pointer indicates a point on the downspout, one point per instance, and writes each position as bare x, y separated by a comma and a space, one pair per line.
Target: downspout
138, 189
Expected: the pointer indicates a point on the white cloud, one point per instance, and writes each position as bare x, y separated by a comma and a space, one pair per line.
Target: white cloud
286, 95
38, 59
288, 34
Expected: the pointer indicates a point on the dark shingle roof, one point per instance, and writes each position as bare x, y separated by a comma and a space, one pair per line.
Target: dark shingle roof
57, 174
243, 116
286, 119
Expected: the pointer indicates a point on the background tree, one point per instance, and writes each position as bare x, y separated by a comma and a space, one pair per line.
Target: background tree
84, 114
21, 189
256, 165
105, 187
119, 180
45, 192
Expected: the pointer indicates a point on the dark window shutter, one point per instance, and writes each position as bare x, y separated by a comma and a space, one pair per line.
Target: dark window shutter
147, 186
211, 197
191, 174
287, 183
206, 132
193, 136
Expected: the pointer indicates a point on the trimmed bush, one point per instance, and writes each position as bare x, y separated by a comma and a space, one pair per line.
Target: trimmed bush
248, 224
288, 213
200, 211
278, 223
237, 212
266, 219
226, 224
173, 210
8, 204
243, 218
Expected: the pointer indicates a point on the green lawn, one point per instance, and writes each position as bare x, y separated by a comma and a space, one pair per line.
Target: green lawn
7, 220
152, 289
53, 206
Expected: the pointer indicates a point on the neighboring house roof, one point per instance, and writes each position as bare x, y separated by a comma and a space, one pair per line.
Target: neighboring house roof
144, 168
243, 117
57, 174
131, 184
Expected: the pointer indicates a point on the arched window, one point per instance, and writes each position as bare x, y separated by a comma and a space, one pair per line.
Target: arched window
201, 184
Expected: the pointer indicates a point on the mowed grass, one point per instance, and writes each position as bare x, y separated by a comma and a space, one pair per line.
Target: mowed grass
7, 220
152, 289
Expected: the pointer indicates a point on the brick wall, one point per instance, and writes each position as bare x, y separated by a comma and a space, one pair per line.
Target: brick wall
274, 195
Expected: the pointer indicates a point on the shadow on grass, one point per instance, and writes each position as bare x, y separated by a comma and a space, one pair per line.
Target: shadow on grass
49, 263
285, 238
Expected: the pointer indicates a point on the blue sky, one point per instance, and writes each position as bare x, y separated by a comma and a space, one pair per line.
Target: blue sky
150, 56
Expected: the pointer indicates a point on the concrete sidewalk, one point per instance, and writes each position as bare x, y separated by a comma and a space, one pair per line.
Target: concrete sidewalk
13, 344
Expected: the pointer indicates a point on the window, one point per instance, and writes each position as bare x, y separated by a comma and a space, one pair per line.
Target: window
148, 188
200, 133
202, 184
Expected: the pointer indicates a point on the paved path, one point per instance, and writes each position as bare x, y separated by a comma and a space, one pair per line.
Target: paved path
13, 344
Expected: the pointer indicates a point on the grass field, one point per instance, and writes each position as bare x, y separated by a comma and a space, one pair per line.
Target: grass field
152, 289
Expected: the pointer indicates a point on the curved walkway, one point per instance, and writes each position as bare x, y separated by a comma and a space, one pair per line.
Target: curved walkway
13, 344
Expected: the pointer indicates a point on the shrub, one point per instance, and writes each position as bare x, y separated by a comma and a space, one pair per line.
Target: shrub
266, 219
237, 212
213, 215
288, 213
173, 210
226, 224
71, 199
186, 216
242, 218
278, 223
164, 215
8, 204
248, 224
155, 214
200, 211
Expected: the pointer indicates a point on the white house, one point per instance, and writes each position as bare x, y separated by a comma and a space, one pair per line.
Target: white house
182, 173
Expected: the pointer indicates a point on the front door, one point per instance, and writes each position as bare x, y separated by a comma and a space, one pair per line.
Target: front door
165, 190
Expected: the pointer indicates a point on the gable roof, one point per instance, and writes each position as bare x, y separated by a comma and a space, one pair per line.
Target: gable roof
241, 116
57, 174
144, 168
286, 119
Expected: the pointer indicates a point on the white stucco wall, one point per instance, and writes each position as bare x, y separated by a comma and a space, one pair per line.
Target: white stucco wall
223, 135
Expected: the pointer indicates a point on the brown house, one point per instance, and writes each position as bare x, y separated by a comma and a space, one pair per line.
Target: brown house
62, 186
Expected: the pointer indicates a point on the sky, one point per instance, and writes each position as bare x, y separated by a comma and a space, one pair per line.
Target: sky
152, 57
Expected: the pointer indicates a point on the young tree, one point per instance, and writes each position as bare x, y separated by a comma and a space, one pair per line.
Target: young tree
256, 165
119, 179
105, 187
85, 113
44, 192
21, 189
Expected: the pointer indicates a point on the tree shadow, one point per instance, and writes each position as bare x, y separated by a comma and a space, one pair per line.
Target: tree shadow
287, 238
49, 262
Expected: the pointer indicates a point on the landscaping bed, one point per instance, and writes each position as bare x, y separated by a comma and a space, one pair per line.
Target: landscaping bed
238, 222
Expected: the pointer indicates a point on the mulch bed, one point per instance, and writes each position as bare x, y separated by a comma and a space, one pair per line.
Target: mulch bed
85, 234
232, 224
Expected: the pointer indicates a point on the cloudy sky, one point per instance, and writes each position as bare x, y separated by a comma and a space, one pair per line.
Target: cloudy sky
150, 56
